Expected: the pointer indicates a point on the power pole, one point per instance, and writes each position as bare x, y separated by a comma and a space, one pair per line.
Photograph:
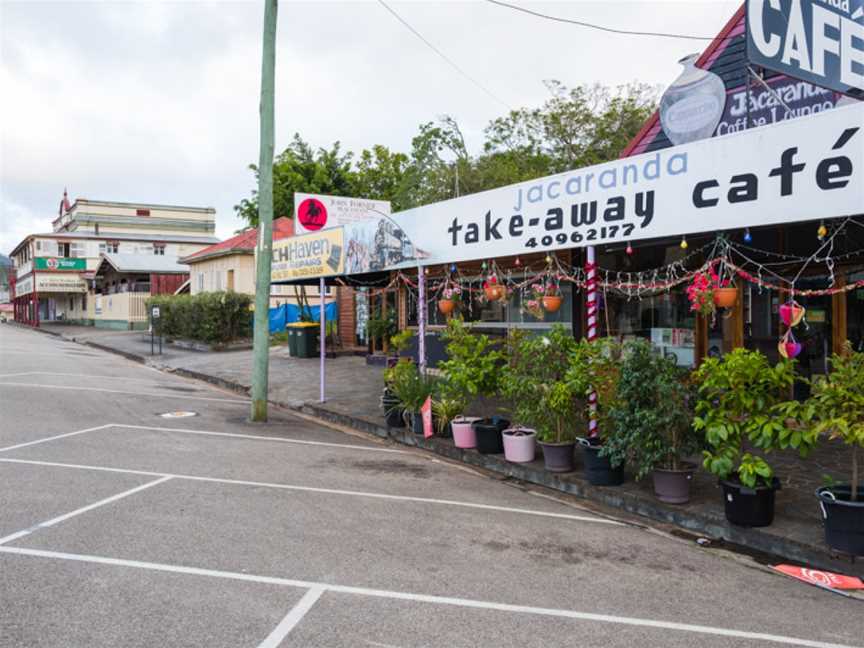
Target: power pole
261, 337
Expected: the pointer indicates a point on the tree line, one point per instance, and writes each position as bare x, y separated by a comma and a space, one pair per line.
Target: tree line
575, 127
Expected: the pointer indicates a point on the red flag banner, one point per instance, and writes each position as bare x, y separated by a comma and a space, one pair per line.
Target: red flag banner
817, 577
426, 410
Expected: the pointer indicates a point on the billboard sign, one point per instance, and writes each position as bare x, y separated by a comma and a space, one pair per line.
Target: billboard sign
314, 255
314, 212
51, 283
60, 263
820, 41
793, 170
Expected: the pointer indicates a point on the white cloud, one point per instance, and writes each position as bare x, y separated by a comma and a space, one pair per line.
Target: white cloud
158, 102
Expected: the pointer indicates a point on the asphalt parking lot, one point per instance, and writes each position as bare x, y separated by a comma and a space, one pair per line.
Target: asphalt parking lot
121, 527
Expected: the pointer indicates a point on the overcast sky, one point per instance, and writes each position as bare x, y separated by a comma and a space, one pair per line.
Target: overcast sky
158, 102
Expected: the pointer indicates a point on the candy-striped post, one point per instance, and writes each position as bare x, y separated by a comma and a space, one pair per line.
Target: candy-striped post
592, 307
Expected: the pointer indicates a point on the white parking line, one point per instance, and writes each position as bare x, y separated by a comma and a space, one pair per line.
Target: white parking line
292, 618
83, 509
118, 391
52, 438
426, 598
259, 437
325, 491
80, 375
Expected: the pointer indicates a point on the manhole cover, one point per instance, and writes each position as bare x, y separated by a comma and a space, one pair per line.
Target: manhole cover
178, 414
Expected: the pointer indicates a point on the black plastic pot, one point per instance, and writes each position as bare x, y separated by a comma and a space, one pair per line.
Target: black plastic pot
599, 470
843, 518
558, 457
417, 423
749, 507
673, 486
489, 439
392, 411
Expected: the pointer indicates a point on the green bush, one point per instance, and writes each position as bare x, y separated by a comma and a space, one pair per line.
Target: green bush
212, 318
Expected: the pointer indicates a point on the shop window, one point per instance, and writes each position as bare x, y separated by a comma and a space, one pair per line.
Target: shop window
159, 249
200, 282
142, 212
63, 249
855, 313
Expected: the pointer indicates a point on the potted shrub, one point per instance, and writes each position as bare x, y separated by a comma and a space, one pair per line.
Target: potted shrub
535, 382
838, 410
412, 389
447, 406
472, 369
743, 400
652, 422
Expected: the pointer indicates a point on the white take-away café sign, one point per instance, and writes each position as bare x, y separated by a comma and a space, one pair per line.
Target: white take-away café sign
797, 170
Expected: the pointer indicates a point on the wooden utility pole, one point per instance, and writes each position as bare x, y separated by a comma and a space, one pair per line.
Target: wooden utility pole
261, 337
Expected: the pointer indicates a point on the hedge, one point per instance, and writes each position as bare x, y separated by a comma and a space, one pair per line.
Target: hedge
213, 317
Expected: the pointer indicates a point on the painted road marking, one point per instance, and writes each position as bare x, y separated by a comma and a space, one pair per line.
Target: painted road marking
325, 491
103, 376
118, 391
83, 509
259, 437
427, 598
52, 438
292, 618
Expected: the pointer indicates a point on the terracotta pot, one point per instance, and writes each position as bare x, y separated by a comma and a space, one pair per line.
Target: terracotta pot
725, 297
446, 306
552, 303
494, 292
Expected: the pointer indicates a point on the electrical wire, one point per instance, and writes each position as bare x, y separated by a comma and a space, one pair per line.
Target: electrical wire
611, 30
446, 58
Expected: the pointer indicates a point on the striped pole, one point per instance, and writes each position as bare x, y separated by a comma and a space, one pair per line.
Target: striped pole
421, 318
592, 308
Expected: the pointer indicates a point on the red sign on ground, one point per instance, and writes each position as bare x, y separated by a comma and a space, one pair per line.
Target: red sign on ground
816, 577
426, 410
312, 214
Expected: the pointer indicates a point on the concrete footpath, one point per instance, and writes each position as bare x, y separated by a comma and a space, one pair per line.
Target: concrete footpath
353, 393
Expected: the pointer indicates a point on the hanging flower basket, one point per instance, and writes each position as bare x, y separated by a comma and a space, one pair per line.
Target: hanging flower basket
791, 313
446, 306
551, 303
493, 290
451, 297
725, 297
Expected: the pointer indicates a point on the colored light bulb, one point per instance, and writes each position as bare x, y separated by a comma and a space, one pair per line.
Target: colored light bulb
822, 232
629, 249
684, 245
518, 262
747, 237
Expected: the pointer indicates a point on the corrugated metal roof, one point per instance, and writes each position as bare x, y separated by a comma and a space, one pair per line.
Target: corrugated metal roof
243, 242
143, 263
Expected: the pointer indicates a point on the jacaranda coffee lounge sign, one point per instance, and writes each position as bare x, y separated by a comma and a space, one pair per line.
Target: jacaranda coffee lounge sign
795, 170
821, 41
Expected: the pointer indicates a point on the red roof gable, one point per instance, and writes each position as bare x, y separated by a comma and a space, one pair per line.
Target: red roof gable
244, 241
649, 129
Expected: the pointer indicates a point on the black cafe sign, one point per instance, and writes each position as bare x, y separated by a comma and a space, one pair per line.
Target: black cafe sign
820, 41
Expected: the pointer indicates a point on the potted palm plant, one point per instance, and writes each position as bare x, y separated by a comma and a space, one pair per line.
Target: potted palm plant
744, 400
838, 411
412, 389
652, 422
447, 405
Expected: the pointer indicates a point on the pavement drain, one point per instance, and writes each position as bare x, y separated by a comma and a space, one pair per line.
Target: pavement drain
178, 414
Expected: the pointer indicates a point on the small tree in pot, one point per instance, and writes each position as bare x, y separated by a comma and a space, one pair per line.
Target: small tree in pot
743, 399
838, 410
652, 422
536, 384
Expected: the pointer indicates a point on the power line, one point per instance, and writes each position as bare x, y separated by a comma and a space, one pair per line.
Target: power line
610, 30
446, 58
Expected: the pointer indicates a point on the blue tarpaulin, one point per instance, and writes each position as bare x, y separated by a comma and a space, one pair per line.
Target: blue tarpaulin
286, 314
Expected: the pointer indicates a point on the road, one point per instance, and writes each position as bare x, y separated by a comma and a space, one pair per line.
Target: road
120, 527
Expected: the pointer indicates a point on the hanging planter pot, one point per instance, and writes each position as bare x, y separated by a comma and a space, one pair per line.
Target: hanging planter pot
673, 486
599, 470
494, 292
749, 507
791, 313
725, 297
519, 444
488, 435
446, 306
843, 518
551, 303
463, 431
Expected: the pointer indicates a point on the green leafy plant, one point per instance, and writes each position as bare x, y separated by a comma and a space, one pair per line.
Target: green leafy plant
838, 406
448, 403
652, 413
474, 362
410, 386
742, 398
402, 341
212, 317
382, 327
539, 384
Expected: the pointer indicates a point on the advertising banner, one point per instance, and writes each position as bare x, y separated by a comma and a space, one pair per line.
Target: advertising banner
794, 170
24, 286
60, 283
801, 97
60, 263
313, 255
314, 212
821, 41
